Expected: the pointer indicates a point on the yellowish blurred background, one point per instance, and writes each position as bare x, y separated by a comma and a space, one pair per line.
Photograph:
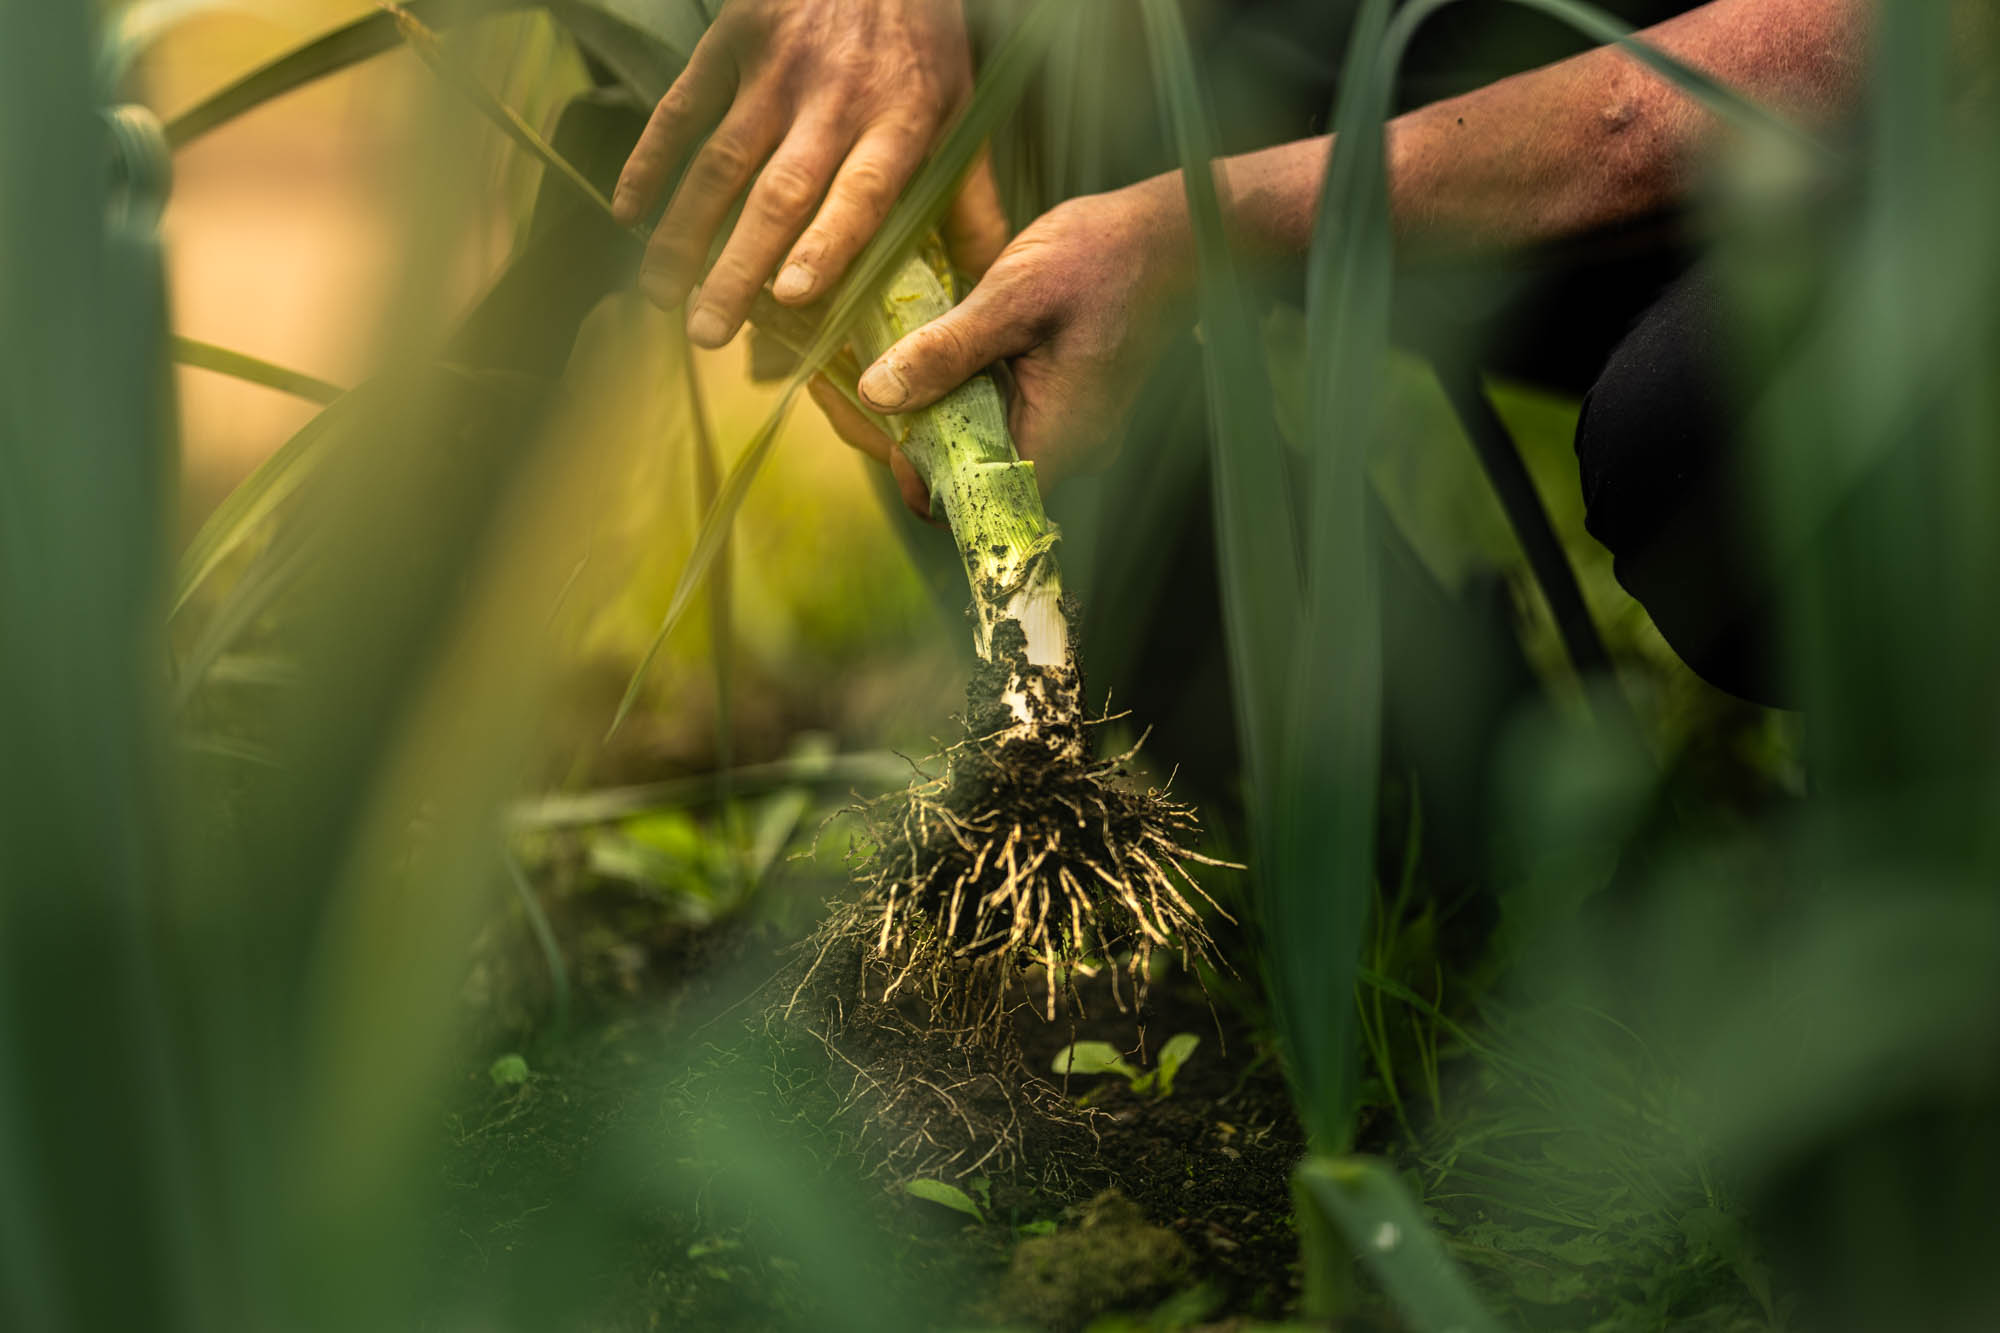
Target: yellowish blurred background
286, 241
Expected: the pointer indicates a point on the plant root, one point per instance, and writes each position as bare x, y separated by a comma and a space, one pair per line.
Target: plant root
1024, 856
918, 1085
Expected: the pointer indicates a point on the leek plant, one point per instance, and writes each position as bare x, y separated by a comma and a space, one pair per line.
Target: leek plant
1025, 848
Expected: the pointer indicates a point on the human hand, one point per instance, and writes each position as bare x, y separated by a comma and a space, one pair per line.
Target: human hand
1081, 302
837, 101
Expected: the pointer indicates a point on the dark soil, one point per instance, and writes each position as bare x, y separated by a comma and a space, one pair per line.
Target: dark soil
1212, 1162
677, 1164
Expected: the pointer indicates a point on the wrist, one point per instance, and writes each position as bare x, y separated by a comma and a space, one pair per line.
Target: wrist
1164, 235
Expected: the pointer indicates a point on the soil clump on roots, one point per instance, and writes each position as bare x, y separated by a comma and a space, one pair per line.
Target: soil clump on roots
993, 886
1026, 853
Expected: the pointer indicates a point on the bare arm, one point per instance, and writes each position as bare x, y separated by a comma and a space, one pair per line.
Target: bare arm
1081, 299
1564, 150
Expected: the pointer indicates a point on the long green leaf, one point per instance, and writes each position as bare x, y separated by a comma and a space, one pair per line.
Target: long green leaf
1256, 543
1001, 83
523, 325
424, 42
721, 629
136, 27
644, 45
95, 1149
645, 51
254, 370
344, 47
253, 501
868, 770
259, 590
1322, 882
1362, 1200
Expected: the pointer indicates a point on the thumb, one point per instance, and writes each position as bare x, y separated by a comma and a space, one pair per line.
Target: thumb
935, 359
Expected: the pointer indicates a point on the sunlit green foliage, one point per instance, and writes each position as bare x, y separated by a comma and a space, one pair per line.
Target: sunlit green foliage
262, 811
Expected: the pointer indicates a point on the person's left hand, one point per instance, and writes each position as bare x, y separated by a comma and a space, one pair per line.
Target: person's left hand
830, 105
1078, 306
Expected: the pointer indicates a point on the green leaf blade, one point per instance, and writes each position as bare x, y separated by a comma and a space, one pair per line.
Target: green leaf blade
944, 1195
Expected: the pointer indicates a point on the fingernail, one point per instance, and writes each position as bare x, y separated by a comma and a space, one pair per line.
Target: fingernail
707, 327
883, 387
621, 207
794, 283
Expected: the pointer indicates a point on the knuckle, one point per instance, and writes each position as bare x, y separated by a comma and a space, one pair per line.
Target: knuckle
945, 346
870, 184
785, 192
668, 254
724, 164
921, 91
678, 104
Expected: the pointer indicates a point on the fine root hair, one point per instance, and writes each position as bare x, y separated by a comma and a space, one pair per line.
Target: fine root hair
1019, 859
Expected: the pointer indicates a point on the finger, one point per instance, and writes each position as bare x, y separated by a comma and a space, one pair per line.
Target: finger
848, 422
883, 160
692, 105
989, 325
915, 494
781, 202
713, 183
975, 228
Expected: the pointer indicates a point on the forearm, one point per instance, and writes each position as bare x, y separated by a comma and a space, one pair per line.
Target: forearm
1561, 151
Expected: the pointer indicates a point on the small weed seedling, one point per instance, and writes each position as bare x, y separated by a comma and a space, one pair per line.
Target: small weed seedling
1101, 1057
946, 1195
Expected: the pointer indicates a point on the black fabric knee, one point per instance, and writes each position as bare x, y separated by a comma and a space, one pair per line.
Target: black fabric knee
1660, 451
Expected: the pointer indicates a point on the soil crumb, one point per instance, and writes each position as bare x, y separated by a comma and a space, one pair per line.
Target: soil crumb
1113, 1260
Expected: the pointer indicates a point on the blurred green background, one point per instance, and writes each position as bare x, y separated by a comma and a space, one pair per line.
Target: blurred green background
351, 976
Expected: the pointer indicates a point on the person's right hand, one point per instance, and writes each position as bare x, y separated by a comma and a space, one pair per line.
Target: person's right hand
1079, 305
830, 105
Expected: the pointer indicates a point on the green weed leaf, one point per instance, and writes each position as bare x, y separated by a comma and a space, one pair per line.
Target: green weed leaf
1179, 1049
949, 1196
1094, 1057
509, 1071
1380, 1224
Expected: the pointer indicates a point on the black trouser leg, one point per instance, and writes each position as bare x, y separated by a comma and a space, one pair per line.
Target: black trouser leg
1661, 451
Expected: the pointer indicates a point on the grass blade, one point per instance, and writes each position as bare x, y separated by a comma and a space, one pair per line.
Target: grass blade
644, 51
1323, 878
1362, 1201
868, 770
253, 370
95, 1148
524, 324
424, 42
135, 28
707, 481
644, 45
346, 46
1257, 545
254, 500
